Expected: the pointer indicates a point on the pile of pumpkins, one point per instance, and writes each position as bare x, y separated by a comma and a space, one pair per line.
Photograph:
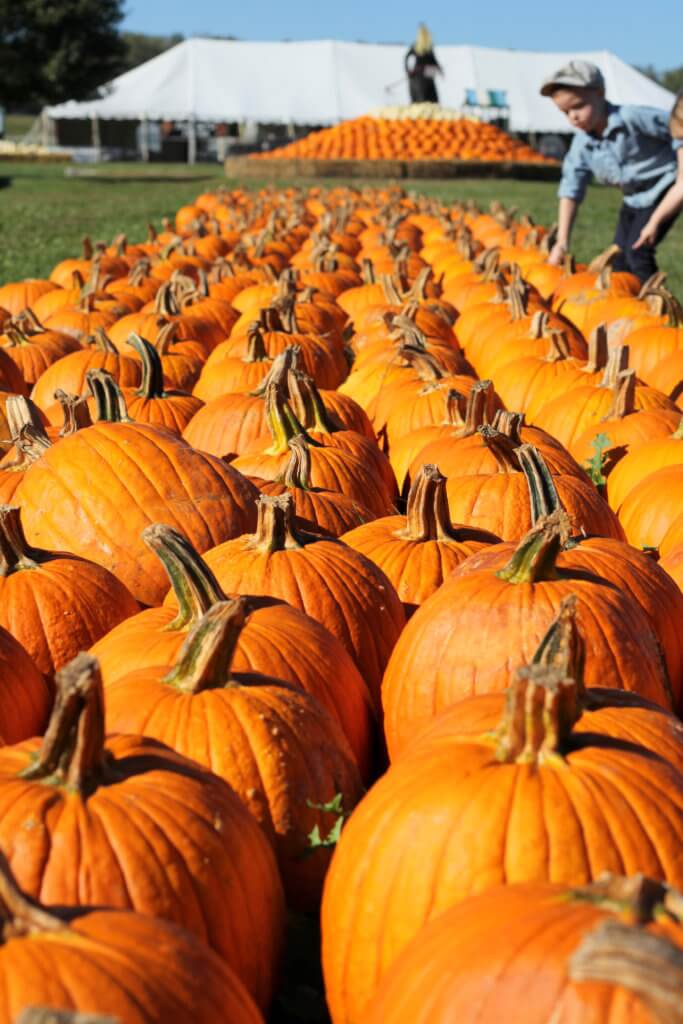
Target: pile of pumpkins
401, 134
341, 556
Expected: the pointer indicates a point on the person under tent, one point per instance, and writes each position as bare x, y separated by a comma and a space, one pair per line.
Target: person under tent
422, 67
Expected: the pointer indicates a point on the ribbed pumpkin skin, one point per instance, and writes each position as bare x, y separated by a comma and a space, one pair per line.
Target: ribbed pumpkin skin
94, 493
227, 425
448, 821
275, 746
627, 569
68, 373
16, 296
135, 968
416, 568
164, 838
25, 700
174, 411
467, 637
651, 507
277, 640
328, 512
62, 607
509, 946
328, 580
639, 462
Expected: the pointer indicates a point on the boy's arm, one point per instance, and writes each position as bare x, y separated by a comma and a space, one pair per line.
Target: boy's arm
671, 204
576, 174
565, 222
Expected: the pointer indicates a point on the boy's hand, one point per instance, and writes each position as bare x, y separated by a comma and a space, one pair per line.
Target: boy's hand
557, 254
648, 236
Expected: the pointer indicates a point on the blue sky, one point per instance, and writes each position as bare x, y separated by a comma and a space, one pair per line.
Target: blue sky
639, 32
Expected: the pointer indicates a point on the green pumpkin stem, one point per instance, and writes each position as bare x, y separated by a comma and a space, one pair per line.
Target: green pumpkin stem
72, 753
535, 557
650, 966
678, 432
205, 658
275, 530
282, 364
427, 513
195, 587
541, 709
545, 500
152, 385
282, 421
109, 401
15, 551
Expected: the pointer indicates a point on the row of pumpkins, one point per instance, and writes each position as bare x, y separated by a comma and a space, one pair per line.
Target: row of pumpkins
315, 500
408, 134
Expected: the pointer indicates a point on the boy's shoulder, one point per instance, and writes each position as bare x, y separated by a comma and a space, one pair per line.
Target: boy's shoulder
643, 118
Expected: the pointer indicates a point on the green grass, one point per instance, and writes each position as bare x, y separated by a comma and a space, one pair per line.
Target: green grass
16, 125
44, 214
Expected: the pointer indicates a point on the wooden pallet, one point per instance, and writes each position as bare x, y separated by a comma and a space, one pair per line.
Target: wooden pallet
279, 169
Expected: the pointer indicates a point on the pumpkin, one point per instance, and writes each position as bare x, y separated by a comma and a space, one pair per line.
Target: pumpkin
276, 640
69, 372
328, 580
105, 483
651, 507
25, 698
235, 374
648, 346
435, 663
55, 605
608, 951
278, 748
672, 564
642, 459
128, 966
16, 296
129, 824
152, 403
319, 510
532, 801
418, 551
32, 348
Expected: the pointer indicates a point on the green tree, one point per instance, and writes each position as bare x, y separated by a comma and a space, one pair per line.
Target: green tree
64, 49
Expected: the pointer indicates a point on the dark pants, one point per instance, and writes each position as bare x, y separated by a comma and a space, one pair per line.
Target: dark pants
641, 262
422, 89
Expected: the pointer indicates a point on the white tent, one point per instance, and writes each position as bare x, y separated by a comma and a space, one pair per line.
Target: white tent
324, 82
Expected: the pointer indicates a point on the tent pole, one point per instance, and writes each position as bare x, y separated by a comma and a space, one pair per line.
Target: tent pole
95, 131
191, 141
144, 139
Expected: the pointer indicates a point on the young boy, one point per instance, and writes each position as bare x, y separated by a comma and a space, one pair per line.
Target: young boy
628, 146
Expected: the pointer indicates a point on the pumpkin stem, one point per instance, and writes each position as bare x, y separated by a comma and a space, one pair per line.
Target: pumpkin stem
604, 259
15, 552
19, 915
275, 529
562, 648
195, 587
270, 319
502, 448
100, 339
538, 327
75, 411
535, 557
678, 432
205, 658
21, 412
165, 303
456, 409
517, 299
282, 422
542, 491
623, 397
72, 753
282, 364
617, 362
256, 348
167, 336
642, 898
307, 404
297, 472
27, 323
478, 408
510, 424
109, 400
649, 965
541, 709
598, 350
152, 385
27, 432
427, 513
558, 347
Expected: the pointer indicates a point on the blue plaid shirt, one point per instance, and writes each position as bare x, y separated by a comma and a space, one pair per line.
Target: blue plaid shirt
636, 152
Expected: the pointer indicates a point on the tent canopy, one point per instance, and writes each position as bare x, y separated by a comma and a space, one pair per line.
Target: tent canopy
325, 82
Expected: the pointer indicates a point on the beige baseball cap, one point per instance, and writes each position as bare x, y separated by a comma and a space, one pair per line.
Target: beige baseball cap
577, 74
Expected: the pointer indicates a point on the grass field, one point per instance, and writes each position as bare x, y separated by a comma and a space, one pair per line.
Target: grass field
44, 213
